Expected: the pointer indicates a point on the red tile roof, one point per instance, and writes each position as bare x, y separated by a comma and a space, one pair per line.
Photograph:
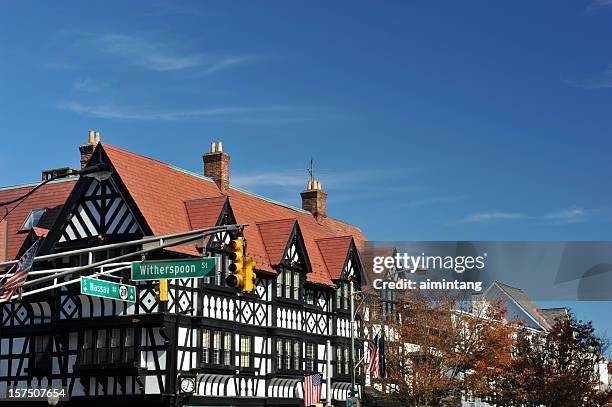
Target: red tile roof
163, 193
330, 247
275, 235
48, 196
203, 213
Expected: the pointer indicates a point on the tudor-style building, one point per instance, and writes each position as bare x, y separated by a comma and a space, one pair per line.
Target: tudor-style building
245, 349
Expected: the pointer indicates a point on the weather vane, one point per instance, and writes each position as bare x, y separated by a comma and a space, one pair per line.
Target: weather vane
311, 170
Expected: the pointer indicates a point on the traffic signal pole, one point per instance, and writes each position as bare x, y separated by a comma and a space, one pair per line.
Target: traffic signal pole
352, 294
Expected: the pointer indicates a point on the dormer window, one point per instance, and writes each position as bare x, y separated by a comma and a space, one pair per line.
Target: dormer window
342, 295
33, 219
288, 284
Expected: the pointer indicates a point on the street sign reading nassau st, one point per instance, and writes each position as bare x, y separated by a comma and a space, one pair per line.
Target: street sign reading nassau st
108, 289
162, 270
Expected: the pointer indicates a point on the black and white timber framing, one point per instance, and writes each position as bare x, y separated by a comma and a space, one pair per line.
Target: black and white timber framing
244, 349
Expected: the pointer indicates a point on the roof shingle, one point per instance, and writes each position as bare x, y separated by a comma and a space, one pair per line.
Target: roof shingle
171, 200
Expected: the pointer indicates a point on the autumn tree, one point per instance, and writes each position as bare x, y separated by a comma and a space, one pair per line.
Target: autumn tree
441, 348
557, 369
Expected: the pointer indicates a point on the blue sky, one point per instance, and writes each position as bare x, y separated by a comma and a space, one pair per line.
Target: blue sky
427, 120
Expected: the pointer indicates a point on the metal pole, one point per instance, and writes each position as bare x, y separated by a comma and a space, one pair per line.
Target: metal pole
329, 375
352, 292
131, 243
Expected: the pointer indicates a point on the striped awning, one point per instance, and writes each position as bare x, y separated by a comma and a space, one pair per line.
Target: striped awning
215, 385
342, 390
285, 388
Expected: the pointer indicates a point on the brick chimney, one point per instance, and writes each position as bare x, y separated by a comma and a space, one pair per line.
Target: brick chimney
88, 148
314, 199
216, 166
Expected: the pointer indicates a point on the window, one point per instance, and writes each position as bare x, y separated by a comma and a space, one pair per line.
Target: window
343, 360
101, 350
288, 354
128, 345
288, 284
87, 348
342, 296
217, 347
309, 295
32, 219
42, 352
107, 346
115, 345
245, 351
311, 357
206, 346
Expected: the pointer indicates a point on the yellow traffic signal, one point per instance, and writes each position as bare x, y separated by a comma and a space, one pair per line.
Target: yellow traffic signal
249, 275
237, 278
161, 290
242, 267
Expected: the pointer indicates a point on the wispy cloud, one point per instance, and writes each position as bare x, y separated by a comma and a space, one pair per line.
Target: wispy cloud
226, 114
87, 84
571, 215
600, 81
559, 217
599, 3
156, 55
269, 179
493, 216
343, 183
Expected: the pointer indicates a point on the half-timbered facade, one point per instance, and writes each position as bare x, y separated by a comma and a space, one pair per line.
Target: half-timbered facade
244, 349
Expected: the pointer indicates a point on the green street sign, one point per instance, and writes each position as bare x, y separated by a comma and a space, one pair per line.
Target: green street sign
162, 270
108, 289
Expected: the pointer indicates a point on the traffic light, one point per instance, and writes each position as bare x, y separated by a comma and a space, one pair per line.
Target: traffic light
236, 279
249, 275
161, 290
242, 267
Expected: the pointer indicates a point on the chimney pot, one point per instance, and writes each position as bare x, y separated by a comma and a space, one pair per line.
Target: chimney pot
88, 148
314, 200
216, 166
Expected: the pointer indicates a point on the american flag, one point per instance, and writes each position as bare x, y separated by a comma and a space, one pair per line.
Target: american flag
15, 282
374, 362
312, 389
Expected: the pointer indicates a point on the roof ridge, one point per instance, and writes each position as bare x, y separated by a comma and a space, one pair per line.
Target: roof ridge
123, 150
276, 220
334, 238
34, 184
206, 198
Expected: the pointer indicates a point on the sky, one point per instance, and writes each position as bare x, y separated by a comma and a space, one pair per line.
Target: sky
426, 120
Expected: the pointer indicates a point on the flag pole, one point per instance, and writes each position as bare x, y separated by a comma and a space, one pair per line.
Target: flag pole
352, 289
328, 373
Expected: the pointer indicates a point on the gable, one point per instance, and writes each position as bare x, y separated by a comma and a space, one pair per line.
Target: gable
352, 269
275, 235
335, 252
50, 197
515, 310
101, 211
295, 252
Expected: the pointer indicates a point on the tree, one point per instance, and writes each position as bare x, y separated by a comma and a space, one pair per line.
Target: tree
440, 348
557, 369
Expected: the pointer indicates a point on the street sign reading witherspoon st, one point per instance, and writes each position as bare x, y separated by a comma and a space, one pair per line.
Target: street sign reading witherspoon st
162, 270
108, 289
